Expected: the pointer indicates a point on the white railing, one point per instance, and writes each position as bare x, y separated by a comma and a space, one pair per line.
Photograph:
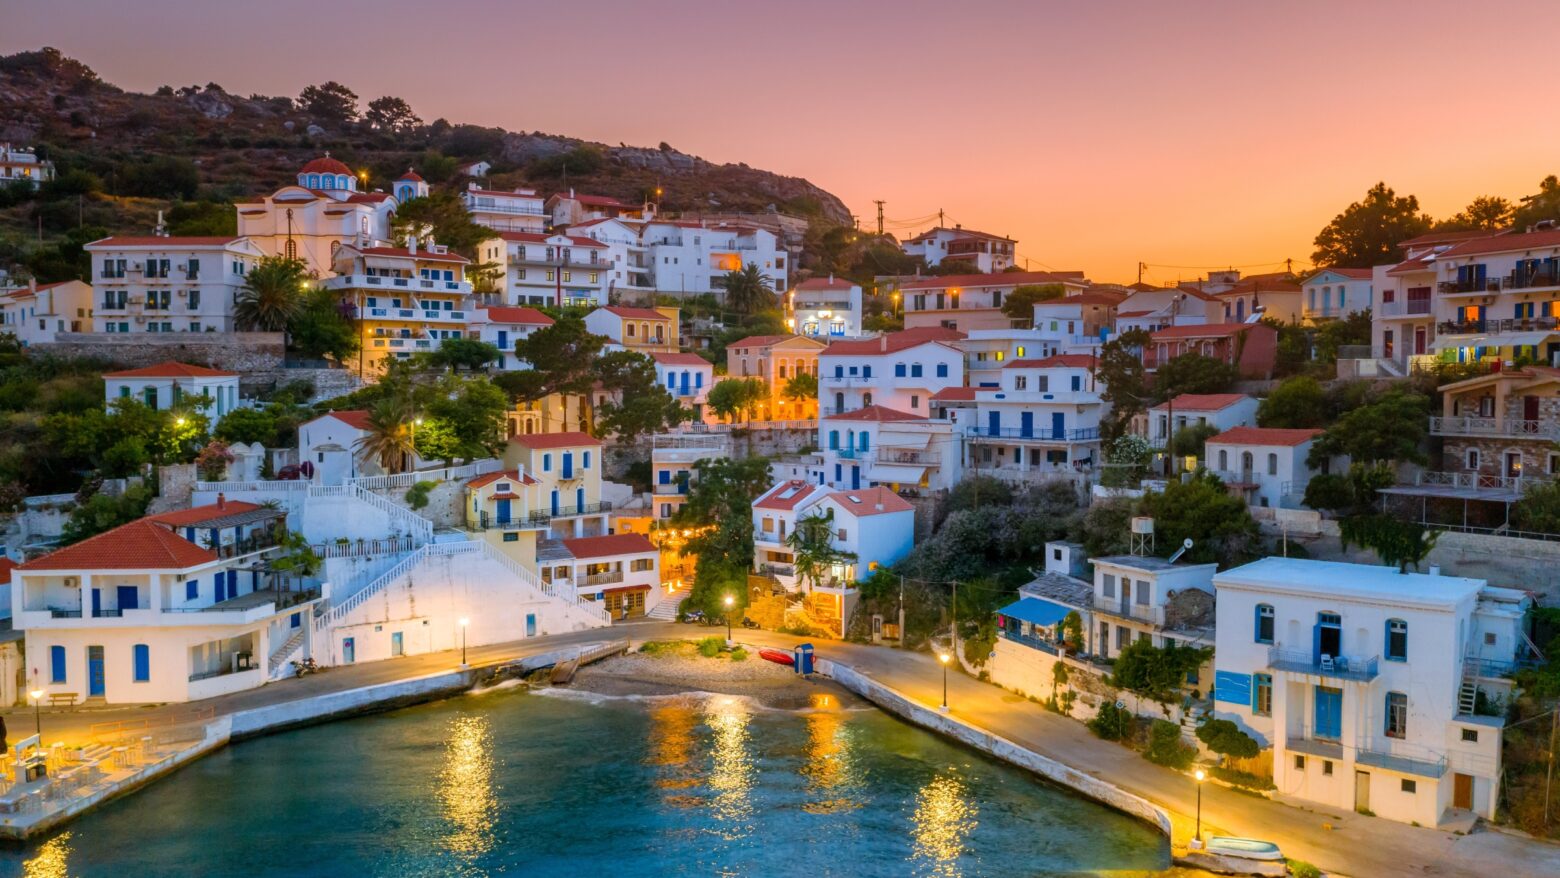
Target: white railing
443, 474
531, 579
1478, 480
362, 548
420, 529
39, 501
260, 487
376, 585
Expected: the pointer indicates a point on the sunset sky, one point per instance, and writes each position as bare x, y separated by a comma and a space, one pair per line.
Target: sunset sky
1185, 135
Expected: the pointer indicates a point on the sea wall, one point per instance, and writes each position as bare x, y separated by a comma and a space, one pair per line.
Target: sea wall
900, 705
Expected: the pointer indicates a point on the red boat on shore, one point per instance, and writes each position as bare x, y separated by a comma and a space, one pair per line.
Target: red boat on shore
778, 656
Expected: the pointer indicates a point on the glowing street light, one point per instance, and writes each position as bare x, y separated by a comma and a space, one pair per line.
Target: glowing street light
729, 601
1201, 776
945, 658
463, 623
37, 699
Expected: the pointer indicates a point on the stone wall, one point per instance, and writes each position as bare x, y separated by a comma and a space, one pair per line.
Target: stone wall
1492, 454
445, 502
244, 352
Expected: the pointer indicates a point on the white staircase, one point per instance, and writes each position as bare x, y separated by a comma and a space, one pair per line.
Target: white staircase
1190, 720
1468, 690
276, 666
666, 610
418, 528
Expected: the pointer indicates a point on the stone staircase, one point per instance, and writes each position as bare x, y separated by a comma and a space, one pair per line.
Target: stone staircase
276, 666
666, 610
1190, 720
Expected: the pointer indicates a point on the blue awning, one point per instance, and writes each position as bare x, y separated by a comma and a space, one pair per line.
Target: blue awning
1036, 611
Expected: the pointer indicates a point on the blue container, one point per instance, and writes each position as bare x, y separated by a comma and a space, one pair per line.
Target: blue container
804, 658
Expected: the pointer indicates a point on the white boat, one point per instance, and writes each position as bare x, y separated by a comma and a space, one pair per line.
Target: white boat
1245, 848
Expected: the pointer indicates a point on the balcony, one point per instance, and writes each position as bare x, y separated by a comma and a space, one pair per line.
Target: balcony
391, 282
1035, 434
1470, 285
611, 577
569, 512
821, 306
489, 521
420, 314
890, 454
1513, 428
1532, 279
507, 209
1406, 308
1342, 667
559, 262
1127, 610
1493, 326
1426, 765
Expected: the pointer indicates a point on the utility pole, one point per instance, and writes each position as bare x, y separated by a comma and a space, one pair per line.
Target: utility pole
939, 218
953, 636
1549, 774
901, 609
879, 204
1141, 267
1289, 266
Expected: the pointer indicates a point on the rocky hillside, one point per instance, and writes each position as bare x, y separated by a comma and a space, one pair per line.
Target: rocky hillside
243, 145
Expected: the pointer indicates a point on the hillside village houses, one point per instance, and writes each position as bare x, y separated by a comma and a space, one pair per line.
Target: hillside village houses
308, 221
1501, 427
408, 299
1266, 466
967, 302
20, 166
1250, 347
539, 268
1223, 411
36, 312
1271, 298
503, 326
1151, 309
518, 210
162, 283
1044, 417
897, 370
644, 330
167, 385
988, 254
776, 359
1335, 293
687, 377
824, 307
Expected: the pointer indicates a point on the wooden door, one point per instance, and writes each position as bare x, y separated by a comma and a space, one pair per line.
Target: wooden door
1462, 791
1362, 791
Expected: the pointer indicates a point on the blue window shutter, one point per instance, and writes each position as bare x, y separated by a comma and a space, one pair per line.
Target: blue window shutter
899, 370
663, 477
942, 370
834, 440
1316, 642
1256, 623
143, 663
192, 589
56, 664
839, 371
866, 371
585, 464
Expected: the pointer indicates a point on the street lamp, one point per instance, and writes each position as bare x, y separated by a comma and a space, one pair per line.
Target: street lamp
944, 658
1201, 776
729, 601
463, 623
37, 699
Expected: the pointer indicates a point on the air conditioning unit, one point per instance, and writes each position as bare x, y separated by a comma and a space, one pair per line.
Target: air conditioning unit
140, 319
184, 267
182, 293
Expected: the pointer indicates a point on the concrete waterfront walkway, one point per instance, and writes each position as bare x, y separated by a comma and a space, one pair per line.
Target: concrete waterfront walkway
1340, 843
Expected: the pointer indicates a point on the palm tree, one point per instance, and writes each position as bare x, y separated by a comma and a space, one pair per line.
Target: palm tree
272, 295
749, 291
812, 545
389, 438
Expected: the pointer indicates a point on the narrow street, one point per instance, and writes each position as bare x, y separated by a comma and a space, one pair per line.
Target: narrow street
1344, 843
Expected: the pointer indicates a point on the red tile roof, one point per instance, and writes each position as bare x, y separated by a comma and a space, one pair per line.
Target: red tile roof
1208, 330
960, 231
866, 502
955, 394
512, 475
6, 566
825, 283
1195, 292
1202, 402
609, 545
554, 440
1071, 361
171, 369
198, 514
541, 238
1264, 436
1432, 238
1540, 240
1246, 287
421, 254
357, 418
139, 545
800, 491
875, 413
325, 165
410, 176
1092, 297
504, 314
1417, 264
764, 341
1000, 279
636, 313
524, 193
892, 342
163, 242
1355, 273
666, 359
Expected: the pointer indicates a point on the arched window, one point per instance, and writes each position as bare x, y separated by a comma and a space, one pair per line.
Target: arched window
1264, 624
866, 399
1245, 462
861, 442
1224, 459
1397, 641
1272, 464
314, 181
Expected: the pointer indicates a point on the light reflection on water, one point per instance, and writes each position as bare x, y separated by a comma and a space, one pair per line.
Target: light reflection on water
944, 820
51, 860
732, 772
833, 777
466, 788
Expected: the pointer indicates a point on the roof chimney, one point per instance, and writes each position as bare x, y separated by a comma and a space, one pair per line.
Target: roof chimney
879, 507
411, 244
221, 500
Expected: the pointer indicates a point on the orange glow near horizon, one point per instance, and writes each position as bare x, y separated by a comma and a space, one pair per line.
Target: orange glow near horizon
1186, 136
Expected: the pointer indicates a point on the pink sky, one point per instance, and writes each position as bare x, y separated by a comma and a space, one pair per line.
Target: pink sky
1099, 134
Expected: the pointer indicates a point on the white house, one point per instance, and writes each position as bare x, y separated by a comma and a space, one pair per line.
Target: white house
168, 608
822, 307
165, 385
475, 169
968, 302
568, 209
774, 520
899, 370
329, 444
986, 351
168, 284
988, 253
1148, 598
1365, 682
502, 326
538, 268
1045, 417
695, 257
518, 210
621, 571
881, 446
674, 459
687, 377
321, 212
1265, 465
1154, 308
646, 330
1224, 411
36, 312
630, 259
20, 166
1336, 292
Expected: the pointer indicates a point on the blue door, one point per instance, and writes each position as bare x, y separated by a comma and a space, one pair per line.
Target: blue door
855, 478
95, 672
126, 596
1058, 425
295, 620
568, 464
97, 601
1026, 424
232, 578
579, 499
348, 651
530, 624
397, 645
503, 512
503, 340
554, 502
1329, 713
994, 424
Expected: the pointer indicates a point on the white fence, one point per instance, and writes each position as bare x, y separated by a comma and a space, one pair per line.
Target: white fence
258, 487
443, 474
362, 548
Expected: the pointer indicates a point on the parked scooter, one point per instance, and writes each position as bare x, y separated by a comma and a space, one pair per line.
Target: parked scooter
305, 667
694, 617
749, 623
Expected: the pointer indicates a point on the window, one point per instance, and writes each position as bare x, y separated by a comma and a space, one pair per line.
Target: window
1262, 694
1473, 459
1397, 640
899, 370
56, 664
1489, 638
1327, 767
1109, 583
1020, 350
639, 565
547, 463
1264, 623
915, 401
1020, 382
1397, 715
585, 461
511, 536
915, 370
1224, 459
1142, 591
1470, 735
192, 590
1272, 464
942, 370
1299, 763
143, 662
1410, 786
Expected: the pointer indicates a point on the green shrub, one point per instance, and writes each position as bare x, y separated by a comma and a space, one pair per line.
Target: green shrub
1302, 869
1242, 778
1112, 723
739, 654
1165, 746
709, 647
417, 495
658, 647
1226, 738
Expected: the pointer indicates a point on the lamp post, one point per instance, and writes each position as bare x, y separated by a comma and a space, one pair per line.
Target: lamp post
729, 601
1201, 776
944, 658
463, 623
37, 699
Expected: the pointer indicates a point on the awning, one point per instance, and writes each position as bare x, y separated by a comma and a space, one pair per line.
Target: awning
1036, 611
918, 439
1491, 340
903, 474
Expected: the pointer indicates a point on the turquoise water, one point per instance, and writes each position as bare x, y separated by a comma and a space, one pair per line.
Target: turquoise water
513, 783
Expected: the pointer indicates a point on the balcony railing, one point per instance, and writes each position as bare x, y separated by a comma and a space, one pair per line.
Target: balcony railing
570, 511
489, 521
1470, 285
512, 209
1462, 425
385, 281
1492, 325
258, 542
1036, 434
1128, 610
890, 454
1406, 308
1533, 279
1341, 667
608, 578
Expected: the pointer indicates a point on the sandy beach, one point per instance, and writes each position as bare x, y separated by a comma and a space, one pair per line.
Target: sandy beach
670, 669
